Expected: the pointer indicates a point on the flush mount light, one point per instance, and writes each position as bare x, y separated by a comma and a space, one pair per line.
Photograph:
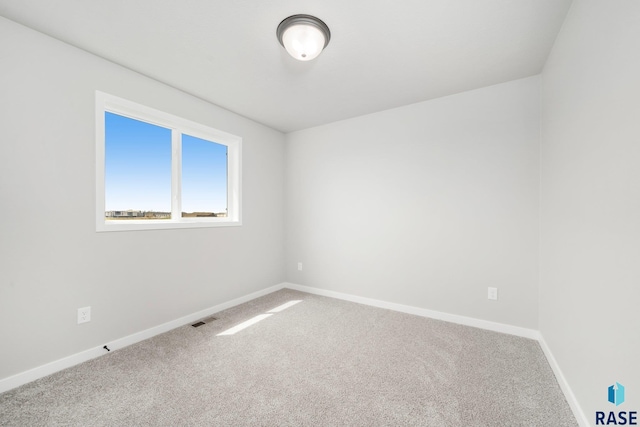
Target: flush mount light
303, 36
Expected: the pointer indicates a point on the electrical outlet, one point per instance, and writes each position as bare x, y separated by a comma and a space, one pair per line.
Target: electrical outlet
84, 315
493, 293
299, 266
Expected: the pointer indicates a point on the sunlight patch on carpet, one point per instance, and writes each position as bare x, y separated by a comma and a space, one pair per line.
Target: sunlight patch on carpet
245, 325
259, 318
284, 306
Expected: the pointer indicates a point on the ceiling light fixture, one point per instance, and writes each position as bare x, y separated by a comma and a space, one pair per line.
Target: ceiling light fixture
303, 36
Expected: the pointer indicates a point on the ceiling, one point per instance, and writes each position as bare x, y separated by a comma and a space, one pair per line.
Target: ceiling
383, 54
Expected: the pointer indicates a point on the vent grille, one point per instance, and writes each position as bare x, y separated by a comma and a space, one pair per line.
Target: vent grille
204, 321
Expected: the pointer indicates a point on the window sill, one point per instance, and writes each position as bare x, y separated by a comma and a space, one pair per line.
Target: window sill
136, 225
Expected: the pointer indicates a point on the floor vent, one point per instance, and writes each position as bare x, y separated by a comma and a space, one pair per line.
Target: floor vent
204, 321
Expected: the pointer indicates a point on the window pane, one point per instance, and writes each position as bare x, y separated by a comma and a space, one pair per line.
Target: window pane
204, 178
137, 169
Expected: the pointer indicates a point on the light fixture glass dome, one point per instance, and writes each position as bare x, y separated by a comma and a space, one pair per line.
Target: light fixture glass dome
303, 36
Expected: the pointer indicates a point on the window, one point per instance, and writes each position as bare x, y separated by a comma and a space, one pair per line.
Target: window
155, 170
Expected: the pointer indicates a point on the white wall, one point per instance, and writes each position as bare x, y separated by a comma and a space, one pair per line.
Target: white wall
425, 205
590, 205
51, 259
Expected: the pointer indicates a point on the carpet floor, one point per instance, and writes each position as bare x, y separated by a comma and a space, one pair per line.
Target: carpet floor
318, 362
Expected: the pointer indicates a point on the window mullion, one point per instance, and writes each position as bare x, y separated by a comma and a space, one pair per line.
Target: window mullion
176, 175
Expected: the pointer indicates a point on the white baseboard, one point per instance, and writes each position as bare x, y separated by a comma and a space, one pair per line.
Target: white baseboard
67, 362
453, 318
468, 321
75, 359
25, 377
564, 385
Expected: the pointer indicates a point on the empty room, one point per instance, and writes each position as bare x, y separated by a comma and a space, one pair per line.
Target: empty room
323, 213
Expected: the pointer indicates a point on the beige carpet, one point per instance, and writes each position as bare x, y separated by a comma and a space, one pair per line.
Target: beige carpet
320, 362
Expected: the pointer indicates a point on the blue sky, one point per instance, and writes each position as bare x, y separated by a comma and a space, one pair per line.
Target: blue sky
204, 175
138, 169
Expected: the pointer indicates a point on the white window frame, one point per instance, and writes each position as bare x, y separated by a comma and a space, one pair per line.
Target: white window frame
178, 126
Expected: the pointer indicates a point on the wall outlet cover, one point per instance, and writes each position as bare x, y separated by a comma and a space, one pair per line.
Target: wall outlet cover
84, 315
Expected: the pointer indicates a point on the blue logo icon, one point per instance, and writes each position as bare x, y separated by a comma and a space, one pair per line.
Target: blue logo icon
616, 394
